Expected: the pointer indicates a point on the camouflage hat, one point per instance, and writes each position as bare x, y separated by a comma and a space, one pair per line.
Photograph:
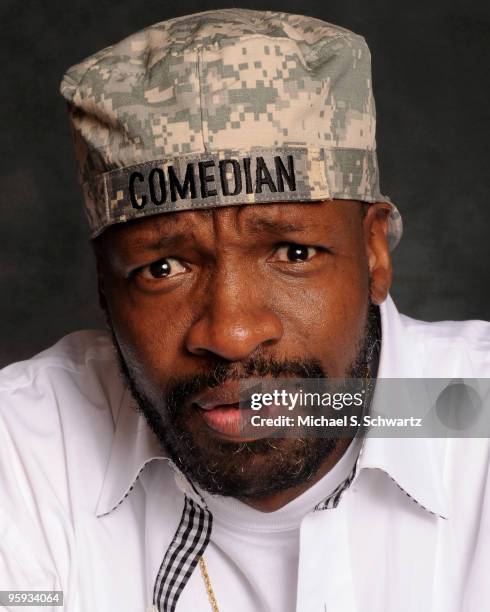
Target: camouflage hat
225, 107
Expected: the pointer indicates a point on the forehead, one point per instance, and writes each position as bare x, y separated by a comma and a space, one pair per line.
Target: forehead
246, 218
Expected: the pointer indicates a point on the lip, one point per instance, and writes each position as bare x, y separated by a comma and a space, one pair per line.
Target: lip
220, 410
226, 394
227, 420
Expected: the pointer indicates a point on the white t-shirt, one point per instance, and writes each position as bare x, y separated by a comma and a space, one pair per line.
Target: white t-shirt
256, 553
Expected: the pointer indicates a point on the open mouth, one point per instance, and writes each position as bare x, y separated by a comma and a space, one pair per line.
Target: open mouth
222, 411
227, 412
227, 419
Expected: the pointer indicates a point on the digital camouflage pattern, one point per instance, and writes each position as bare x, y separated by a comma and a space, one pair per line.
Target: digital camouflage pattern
225, 107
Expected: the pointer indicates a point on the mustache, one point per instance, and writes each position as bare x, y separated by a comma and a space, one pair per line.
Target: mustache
180, 389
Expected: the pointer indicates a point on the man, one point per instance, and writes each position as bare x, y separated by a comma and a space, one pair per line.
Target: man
229, 170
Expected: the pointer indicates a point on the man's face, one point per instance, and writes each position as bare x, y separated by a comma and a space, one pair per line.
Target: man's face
198, 299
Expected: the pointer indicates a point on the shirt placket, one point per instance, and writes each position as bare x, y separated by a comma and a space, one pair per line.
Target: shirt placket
325, 582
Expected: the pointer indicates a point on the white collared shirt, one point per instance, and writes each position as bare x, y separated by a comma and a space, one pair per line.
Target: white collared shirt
90, 506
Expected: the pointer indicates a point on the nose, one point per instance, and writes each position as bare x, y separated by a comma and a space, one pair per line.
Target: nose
234, 323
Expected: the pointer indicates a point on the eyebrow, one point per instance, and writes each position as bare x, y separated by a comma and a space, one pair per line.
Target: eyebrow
275, 226
162, 242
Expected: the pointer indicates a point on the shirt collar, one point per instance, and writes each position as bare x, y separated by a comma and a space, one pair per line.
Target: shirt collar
415, 464
133, 446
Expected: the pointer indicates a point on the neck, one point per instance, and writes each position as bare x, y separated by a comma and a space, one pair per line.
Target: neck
275, 501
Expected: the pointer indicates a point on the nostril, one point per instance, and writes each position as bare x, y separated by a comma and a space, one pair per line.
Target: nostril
233, 335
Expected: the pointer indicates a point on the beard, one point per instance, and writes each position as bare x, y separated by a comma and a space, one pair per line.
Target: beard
248, 469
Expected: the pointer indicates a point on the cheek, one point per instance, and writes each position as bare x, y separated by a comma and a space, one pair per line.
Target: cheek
150, 332
326, 318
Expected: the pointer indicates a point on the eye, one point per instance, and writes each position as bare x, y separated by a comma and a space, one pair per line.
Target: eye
163, 268
293, 252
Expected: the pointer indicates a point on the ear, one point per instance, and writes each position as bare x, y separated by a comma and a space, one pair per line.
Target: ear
375, 226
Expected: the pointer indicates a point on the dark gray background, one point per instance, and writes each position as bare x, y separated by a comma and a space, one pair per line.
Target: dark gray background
431, 65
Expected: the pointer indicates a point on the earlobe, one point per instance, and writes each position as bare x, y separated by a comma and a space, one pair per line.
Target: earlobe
375, 227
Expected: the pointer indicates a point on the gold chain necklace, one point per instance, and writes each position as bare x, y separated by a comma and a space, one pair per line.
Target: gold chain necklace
209, 587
